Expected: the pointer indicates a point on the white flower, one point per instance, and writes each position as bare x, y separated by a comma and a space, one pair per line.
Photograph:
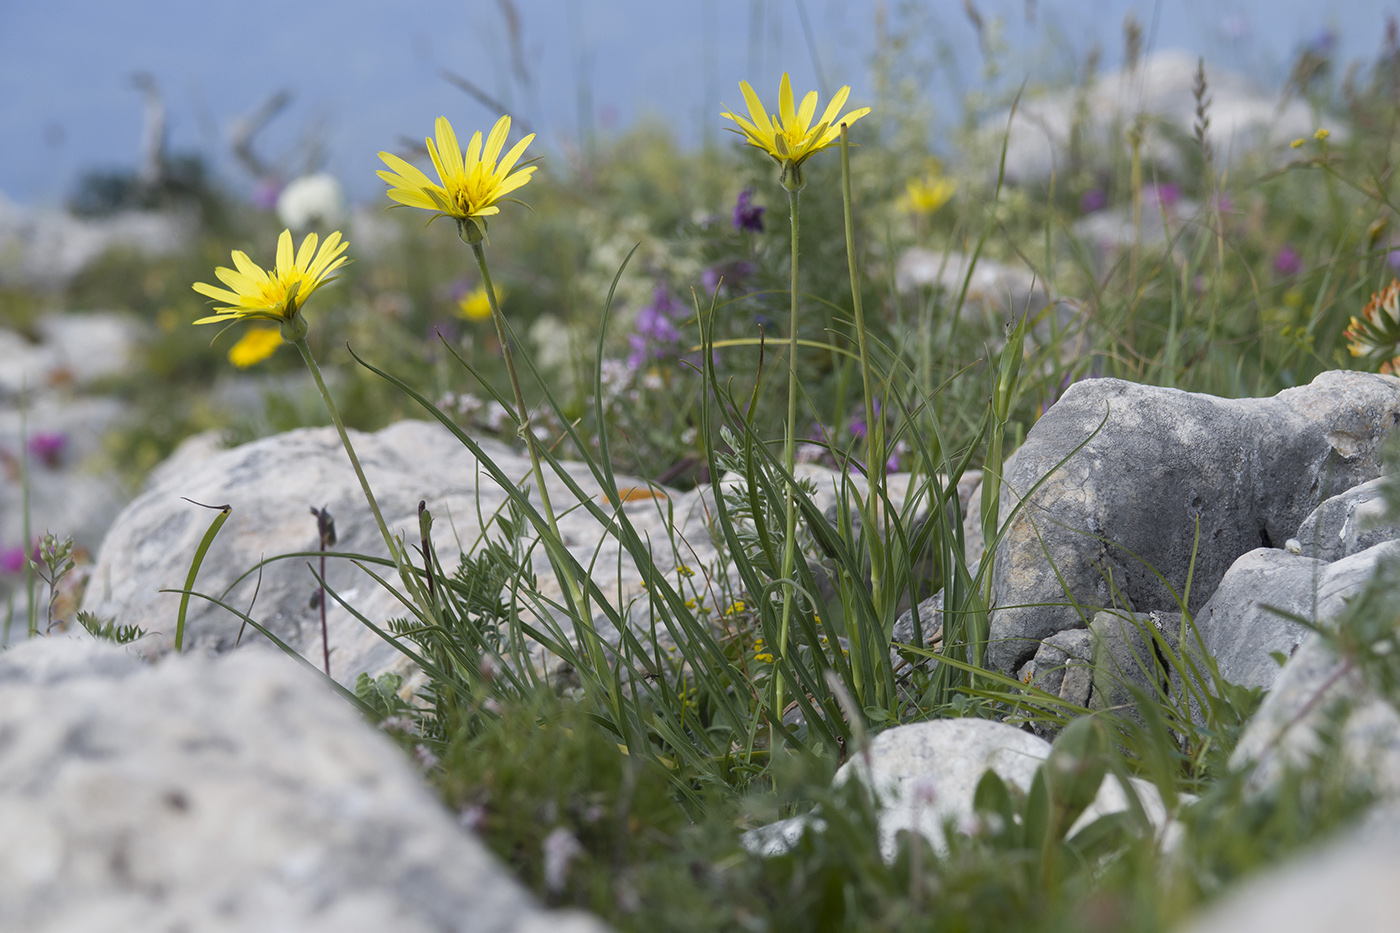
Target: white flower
312, 202
560, 848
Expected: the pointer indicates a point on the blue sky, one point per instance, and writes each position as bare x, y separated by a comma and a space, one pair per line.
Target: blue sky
366, 73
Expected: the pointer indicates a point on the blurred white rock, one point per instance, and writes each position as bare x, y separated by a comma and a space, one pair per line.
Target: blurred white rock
46, 247
1243, 118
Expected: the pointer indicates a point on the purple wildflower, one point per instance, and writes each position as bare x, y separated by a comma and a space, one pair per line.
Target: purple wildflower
1393, 259
747, 215
1166, 195
1095, 199
12, 560
731, 274
48, 447
656, 329
1288, 261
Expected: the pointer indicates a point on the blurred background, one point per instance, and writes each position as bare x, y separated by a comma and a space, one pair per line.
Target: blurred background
355, 76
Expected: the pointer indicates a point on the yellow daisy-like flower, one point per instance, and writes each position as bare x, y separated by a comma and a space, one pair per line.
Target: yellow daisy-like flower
475, 305
255, 294
471, 183
789, 136
926, 195
256, 345
1376, 334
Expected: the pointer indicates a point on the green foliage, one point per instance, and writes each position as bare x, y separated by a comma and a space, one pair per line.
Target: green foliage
108, 629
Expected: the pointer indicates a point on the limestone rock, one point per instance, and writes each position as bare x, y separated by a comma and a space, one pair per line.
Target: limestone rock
1348, 884
1347, 523
224, 794
70, 350
1153, 464
45, 248
1241, 624
1063, 666
926, 774
1313, 688
273, 483
68, 494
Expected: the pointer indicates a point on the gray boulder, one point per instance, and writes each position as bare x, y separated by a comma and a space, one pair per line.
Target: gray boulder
1320, 702
1063, 666
1128, 652
1243, 626
1349, 884
925, 775
1348, 523
1153, 466
273, 483
231, 794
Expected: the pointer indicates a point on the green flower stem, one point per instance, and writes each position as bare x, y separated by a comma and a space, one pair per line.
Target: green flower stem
789, 464
349, 448
31, 608
532, 445
874, 428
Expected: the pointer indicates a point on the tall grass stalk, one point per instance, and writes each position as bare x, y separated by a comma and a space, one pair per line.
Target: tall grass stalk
553, 542
874, 424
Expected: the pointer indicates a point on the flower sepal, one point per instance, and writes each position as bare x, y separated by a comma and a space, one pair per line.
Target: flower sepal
472, 230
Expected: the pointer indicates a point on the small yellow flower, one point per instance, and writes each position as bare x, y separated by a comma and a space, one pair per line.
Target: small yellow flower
256, 345
926, 194
254, 294
1296, 144
471, 183
475, 305
788, 136
1376, 334
1321, 134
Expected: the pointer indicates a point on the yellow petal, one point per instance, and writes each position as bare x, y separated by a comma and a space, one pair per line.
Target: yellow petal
756, 110
513, 182
413, 198
837, 102
308, 249
237, 281
409, 174
438, 163
448, 149
785, 108
249, 268
514, 155
218, 294
284, 251
474, 150
807, 111
495, 141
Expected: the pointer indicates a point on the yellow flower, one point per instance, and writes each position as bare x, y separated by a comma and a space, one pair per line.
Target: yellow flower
1296, 144
254, 294
1376, 334
255, 346
788, 136
925, 195
475, 305
471, 183
1322, 134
